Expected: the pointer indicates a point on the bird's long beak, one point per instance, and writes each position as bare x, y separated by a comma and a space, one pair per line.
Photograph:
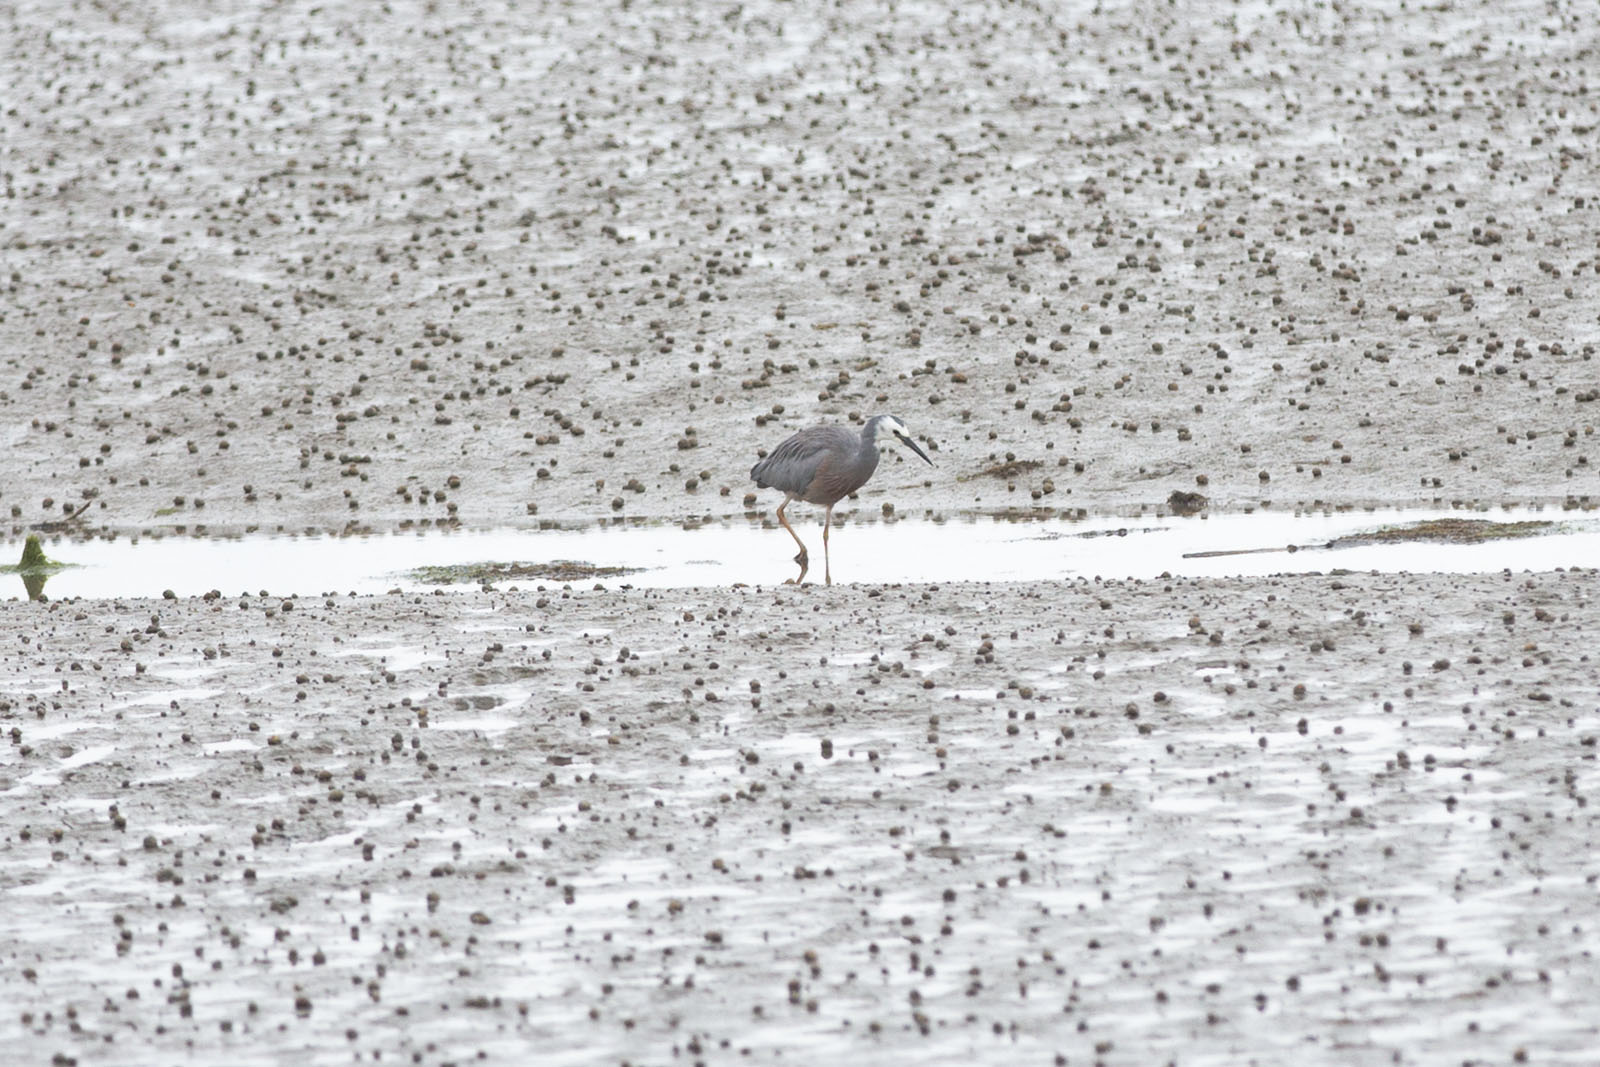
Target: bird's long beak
909, 443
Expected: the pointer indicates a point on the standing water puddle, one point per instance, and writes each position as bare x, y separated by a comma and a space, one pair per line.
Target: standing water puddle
710, 553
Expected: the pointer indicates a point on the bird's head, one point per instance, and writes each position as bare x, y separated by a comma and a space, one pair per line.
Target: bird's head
893, 424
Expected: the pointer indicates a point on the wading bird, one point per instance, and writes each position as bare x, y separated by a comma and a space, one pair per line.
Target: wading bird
823, 465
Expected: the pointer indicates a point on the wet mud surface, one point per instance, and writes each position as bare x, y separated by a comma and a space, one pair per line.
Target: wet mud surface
1341, 819
309, 268
313, 268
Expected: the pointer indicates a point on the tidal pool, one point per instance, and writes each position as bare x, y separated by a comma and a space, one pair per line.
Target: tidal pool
732, 552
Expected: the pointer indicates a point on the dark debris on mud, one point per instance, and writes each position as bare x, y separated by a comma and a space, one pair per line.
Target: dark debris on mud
1179, 818
1453, 531
276, 287
556, 570
1011, 468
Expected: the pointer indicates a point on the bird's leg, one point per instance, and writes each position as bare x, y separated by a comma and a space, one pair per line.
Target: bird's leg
827, 569
802, 558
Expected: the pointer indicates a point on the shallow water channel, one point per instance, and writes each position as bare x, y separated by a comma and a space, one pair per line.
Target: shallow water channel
712, 553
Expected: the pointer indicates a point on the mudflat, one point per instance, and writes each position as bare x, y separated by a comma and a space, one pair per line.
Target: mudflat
1344, 819
485, 263
340, 269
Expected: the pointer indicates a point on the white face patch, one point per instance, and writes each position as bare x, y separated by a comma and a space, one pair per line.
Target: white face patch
894, 425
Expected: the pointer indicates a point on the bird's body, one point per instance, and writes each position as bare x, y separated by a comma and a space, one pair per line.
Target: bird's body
820, 465
823, 465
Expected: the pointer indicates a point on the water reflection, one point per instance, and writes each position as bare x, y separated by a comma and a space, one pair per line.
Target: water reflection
34, 568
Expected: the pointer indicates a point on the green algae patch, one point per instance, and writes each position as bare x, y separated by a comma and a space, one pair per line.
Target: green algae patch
34, 567
33, 556
1448, 531
556, 570
34, 561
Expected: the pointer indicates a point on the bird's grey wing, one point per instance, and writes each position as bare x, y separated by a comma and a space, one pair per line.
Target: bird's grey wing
793, 464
